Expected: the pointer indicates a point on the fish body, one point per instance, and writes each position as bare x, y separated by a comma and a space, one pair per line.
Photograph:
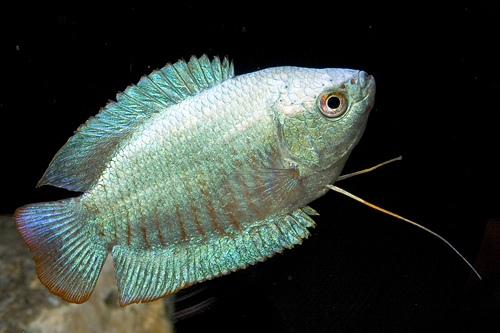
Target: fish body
194, 173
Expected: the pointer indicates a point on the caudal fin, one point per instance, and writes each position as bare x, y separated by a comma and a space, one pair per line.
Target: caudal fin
68, 255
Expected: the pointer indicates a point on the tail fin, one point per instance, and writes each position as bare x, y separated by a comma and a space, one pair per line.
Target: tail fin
68, 256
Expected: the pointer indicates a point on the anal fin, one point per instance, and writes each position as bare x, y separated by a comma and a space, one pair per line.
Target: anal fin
146, 275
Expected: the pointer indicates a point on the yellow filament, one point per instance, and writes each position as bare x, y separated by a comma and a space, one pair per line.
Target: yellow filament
352, 196
349, 175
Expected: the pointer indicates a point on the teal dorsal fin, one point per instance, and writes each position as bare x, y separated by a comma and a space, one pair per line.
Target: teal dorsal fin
80, 162
145, 275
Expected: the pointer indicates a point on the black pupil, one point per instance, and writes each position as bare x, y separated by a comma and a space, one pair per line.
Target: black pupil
333, 102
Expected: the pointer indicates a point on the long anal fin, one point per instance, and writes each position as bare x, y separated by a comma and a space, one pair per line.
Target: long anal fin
146, 275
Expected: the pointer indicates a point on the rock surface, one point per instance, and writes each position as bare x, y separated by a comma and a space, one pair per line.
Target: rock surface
27, 306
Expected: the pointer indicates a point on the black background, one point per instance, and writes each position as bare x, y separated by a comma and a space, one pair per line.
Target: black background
437, 73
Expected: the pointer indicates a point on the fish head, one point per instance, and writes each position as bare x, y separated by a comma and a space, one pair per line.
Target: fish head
323, 114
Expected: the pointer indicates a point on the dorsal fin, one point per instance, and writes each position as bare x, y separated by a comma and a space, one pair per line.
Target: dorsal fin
80, 162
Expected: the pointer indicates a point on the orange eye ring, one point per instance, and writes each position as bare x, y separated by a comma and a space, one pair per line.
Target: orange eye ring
333, 105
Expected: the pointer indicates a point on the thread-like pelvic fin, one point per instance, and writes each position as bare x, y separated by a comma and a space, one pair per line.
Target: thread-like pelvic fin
352, 196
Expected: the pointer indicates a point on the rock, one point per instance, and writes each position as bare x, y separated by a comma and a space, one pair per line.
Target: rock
26, 305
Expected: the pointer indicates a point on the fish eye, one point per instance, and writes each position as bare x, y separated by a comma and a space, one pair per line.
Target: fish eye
333, 105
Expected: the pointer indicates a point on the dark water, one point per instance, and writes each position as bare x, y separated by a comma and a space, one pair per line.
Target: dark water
437, 105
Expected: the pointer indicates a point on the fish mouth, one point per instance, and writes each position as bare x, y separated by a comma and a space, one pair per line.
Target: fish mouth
367, 85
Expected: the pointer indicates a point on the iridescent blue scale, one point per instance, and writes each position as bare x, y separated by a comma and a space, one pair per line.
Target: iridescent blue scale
193, 173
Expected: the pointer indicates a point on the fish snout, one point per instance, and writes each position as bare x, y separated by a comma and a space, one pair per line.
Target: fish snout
367, 85
365, 79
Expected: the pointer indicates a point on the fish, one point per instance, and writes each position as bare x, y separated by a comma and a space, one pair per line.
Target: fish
193, 173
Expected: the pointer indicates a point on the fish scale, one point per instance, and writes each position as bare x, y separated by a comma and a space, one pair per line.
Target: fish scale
182, 218
191, 174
